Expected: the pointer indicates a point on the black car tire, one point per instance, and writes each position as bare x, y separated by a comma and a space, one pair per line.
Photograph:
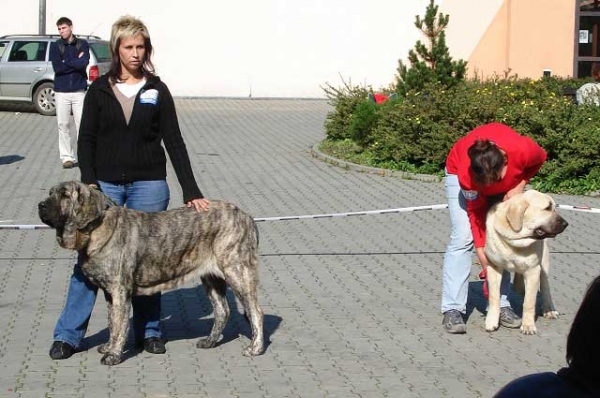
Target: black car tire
43, 99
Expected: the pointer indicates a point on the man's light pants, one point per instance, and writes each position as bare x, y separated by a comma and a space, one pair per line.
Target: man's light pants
67, 139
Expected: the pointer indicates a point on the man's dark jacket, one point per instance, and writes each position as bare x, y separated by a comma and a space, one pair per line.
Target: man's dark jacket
69, 69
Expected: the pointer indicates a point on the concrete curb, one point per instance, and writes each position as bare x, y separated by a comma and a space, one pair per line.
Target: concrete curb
316, 153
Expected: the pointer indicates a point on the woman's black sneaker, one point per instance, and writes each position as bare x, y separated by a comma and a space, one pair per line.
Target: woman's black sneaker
154, 345
61, 350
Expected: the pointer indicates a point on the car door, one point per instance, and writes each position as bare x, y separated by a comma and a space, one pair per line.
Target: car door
3, 50
24, 64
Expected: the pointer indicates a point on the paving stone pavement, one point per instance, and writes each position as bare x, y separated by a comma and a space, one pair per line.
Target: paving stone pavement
351, 304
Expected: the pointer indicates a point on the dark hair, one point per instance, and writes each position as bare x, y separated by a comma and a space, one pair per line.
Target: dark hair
64, 21
125, 28
583, 350
487, 161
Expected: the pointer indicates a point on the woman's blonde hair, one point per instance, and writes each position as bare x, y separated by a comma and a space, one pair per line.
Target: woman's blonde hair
125, 28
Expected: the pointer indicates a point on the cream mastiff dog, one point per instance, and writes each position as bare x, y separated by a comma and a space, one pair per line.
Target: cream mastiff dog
516, 232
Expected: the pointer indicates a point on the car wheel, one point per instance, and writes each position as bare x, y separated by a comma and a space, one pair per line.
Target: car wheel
43, 99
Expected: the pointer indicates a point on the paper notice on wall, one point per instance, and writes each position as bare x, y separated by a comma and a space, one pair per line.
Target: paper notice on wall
584, 36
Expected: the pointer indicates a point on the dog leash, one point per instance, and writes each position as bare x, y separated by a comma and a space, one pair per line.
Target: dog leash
483, 278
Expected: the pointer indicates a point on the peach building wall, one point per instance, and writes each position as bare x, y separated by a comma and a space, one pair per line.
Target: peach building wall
508, 37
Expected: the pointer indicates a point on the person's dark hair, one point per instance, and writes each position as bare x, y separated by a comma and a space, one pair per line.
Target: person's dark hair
583, 350
125, 28
64, 21
487, 161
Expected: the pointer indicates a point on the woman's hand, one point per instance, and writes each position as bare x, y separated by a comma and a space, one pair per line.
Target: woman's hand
483, 261
516, 190
484, 266
199, 204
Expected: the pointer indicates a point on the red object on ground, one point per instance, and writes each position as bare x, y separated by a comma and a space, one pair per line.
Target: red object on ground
483, 277
380, 98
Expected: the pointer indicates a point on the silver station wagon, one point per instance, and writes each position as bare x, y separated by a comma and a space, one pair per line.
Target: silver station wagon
26, 73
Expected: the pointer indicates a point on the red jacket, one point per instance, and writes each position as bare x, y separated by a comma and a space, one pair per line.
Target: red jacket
524, 158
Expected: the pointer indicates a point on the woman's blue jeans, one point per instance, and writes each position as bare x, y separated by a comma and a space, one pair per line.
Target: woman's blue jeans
458, 257
149, 196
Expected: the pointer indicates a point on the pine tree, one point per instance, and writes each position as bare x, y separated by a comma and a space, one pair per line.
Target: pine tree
432, 63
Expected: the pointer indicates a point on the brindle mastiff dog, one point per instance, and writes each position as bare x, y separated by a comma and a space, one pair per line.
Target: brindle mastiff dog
130, 253
516, 232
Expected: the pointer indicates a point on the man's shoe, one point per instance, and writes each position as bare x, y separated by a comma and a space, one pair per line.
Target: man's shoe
68, 165
509, 319
453, 322
61, 350
154, 345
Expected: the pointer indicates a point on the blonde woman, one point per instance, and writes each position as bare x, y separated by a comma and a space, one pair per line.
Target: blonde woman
128, 113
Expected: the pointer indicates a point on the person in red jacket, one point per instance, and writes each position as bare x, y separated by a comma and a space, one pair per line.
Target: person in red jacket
491, 163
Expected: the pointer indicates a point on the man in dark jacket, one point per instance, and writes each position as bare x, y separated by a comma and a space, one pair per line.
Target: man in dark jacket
70, 57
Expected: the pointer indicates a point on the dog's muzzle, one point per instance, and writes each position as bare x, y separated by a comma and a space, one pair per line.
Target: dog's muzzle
555, 228
44, 214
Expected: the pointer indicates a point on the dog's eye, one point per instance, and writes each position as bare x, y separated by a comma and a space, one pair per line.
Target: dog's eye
548, 208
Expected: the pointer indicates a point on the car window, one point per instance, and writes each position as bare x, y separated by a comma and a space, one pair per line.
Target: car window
101, 51
28, 51
3, 46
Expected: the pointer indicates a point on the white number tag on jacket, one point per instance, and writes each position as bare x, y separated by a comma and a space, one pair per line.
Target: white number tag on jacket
149, 97
470, 195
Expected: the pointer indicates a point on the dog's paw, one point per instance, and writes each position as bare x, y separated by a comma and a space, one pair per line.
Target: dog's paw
252, 351
111, 359
528, 329
103, 348
491, 325
551, 314
206, 343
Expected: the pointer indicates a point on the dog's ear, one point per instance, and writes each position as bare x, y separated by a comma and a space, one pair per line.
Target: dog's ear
88, 205
83, 211
516, 212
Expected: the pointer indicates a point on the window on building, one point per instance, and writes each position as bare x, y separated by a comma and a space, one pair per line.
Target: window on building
588, 47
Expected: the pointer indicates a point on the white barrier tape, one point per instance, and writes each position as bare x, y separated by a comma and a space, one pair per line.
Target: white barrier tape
579, 208
332, 215
357, 213
42, 226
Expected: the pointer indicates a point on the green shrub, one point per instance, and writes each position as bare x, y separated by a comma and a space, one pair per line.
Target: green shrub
416, 132
362, 122
344, 99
